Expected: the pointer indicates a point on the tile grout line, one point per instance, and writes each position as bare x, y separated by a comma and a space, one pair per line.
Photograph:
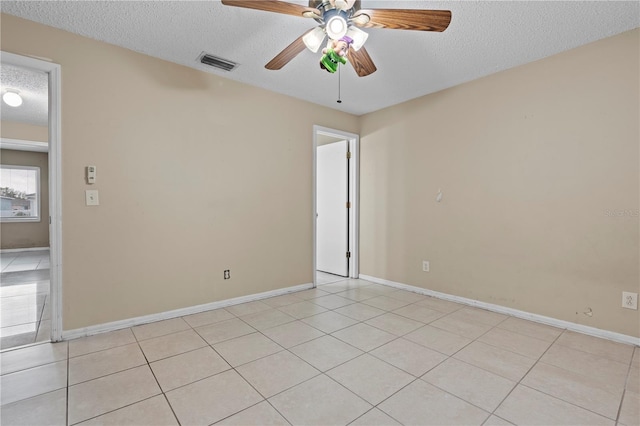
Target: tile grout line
584, 375
301, 320
545, 393
368, 353
162, 392
452, 357
37, 322
519, 382
591, 353
325, 334
116, 409
104, 349
569, 403
420, 378
40, 322
617, 419
116, 372
289, 351
241, 376
413, 381
626, 382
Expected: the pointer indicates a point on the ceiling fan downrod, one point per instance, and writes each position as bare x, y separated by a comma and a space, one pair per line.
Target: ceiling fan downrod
339, 100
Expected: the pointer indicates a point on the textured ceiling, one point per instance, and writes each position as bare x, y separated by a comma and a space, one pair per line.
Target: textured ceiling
32, 87
484, 37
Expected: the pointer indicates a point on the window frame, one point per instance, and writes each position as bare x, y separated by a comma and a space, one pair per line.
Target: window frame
23, 219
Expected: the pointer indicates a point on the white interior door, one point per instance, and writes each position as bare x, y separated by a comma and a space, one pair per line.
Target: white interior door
332, 213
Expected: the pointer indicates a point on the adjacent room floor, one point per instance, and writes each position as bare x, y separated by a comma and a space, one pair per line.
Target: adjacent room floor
325, 278
24, 298
348, 352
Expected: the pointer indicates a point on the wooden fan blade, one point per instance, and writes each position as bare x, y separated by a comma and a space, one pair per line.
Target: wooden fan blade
289, 52
361, 62
405, 19
270, 6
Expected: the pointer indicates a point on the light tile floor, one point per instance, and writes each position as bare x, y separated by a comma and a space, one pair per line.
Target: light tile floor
349, 352
24, 298
24, 261
325, 278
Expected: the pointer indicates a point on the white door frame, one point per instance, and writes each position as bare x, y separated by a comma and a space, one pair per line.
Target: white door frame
55, 182
354, 173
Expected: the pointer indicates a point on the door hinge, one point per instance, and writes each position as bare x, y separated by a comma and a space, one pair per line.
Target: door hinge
348, 155
348, 204
348, 254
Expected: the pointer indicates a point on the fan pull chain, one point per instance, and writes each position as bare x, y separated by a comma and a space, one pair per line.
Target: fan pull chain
339, 100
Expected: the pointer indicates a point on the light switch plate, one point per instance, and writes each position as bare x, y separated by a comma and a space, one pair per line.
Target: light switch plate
92, 197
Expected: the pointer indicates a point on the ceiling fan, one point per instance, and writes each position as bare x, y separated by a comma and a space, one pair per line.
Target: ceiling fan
342, 20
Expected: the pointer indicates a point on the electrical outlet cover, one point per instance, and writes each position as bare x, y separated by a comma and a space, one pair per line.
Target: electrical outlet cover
629, 300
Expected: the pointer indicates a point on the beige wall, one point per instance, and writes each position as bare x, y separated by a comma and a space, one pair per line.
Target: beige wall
532, 162
196, 174
326, 140
28, 234
23, 131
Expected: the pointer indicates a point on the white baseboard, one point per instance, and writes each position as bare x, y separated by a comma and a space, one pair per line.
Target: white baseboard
17, 250
584, 329
131, 322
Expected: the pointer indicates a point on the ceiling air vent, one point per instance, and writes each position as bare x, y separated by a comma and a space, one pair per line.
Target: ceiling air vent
214, 61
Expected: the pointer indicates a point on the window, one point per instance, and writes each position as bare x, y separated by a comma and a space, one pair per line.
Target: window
19, 193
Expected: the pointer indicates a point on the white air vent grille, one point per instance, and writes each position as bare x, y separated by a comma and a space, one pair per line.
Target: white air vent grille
216, 62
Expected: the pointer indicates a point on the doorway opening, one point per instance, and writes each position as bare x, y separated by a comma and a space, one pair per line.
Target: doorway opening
335, 205
30, 292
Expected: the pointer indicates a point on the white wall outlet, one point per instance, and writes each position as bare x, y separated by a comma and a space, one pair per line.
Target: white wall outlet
425, 265
91, 197
629, 300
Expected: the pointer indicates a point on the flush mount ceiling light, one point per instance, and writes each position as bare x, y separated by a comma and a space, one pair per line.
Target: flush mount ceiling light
12, 98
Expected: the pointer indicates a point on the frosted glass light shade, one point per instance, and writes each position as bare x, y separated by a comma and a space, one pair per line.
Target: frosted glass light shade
358, 36
12, 99
313, 40
336, 27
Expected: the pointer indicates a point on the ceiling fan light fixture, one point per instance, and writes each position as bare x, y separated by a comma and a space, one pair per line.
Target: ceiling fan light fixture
12, 98
361, 19
313, 39
358, 36
312, 13
336, 27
